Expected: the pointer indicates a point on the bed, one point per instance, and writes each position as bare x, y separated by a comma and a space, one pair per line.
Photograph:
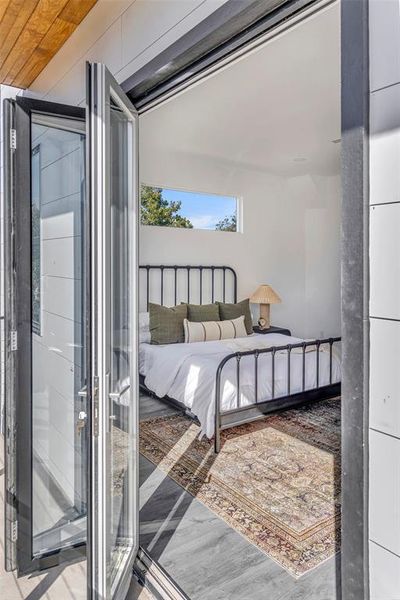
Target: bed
230, 382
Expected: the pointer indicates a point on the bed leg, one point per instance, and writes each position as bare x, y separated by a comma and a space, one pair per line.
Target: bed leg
217, 440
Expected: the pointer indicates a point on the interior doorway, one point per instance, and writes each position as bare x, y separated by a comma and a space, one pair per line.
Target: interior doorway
264, 130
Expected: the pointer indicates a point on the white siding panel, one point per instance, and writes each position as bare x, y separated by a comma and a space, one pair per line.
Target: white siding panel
70, 88
62, 257
62, 336
54, 144
384, 495
62, 178
53, 371
385, 146
144, 22
384, 574
384, 35
385, 376
385, 261
194, 17
62, 218
62, 297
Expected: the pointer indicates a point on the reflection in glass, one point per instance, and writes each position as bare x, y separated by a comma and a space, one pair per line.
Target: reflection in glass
58, 345
121, 398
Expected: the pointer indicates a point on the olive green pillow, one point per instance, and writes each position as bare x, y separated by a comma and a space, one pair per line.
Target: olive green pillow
203, 312
166, 324
233, 311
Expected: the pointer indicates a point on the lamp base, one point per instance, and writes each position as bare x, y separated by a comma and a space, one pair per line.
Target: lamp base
264, 321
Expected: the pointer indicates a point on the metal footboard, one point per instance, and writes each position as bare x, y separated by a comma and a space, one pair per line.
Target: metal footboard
250, 412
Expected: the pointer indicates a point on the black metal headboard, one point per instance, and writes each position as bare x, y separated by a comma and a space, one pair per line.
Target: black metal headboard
196, 284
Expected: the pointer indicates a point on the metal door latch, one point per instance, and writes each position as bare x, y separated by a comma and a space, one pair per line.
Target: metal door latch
81, 422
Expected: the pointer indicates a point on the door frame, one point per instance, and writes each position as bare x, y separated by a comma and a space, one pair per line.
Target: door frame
101, 90
209, 43
231, 29
20, 318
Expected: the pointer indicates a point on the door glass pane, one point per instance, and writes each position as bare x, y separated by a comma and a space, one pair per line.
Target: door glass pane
122, 490
58, 328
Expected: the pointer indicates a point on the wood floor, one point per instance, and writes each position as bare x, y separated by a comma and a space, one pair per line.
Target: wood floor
207, 558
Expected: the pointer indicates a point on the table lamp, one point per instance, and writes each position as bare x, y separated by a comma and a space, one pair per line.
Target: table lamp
265, 296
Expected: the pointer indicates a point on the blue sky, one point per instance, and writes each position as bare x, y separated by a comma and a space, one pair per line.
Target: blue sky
203, 210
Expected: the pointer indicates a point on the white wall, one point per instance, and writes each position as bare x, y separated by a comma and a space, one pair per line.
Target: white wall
384, 451
290, 238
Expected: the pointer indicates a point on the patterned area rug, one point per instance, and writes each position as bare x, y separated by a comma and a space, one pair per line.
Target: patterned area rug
276, 481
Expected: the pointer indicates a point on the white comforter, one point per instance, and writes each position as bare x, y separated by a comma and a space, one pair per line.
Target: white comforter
186, 372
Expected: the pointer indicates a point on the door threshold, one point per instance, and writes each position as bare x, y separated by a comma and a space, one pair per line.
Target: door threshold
154, 578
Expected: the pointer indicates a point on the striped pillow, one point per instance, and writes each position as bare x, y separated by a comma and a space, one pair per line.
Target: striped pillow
208, 331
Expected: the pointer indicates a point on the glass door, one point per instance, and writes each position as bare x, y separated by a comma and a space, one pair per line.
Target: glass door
45, 336
71, 419
113, 526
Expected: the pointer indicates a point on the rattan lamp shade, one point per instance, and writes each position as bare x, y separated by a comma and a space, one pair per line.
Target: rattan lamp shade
264, 296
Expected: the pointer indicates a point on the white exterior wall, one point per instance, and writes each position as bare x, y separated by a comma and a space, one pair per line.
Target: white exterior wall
384, 469
123, 34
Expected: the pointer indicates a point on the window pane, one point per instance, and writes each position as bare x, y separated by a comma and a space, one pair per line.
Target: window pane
58, 341
190, 210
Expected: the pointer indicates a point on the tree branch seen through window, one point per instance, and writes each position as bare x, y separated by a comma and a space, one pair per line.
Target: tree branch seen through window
189, 210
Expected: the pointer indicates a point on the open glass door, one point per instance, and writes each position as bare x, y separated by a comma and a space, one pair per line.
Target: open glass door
113, 526
45, 336
71, 420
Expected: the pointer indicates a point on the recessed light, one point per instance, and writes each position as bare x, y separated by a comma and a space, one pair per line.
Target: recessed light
299, 159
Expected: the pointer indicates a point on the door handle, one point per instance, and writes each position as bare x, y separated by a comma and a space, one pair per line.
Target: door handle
83, 392
117, 395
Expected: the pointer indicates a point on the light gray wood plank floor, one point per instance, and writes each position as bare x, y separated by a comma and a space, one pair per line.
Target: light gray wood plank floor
208, 559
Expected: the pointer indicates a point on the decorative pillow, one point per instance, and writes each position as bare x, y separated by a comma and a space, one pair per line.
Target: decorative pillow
166, 324
203, 312
208, 331
233, 311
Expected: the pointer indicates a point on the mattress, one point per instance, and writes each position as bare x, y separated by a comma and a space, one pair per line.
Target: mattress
187, 373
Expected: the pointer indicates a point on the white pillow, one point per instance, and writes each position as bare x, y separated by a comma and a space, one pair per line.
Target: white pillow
144, 321
207, 331
144, 328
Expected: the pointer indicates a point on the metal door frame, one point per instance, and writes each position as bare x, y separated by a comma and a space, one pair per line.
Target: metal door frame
18, 315
101, 89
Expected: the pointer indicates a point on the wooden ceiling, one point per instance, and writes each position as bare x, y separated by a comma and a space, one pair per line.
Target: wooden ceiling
31, 32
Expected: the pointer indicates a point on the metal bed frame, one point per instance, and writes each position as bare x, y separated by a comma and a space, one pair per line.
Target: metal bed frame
201, 270
239, 415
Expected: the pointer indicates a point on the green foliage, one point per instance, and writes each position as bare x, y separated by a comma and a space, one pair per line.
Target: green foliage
227, 224
155, 210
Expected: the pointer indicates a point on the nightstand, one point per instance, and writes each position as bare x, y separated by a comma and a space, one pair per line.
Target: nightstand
272, 329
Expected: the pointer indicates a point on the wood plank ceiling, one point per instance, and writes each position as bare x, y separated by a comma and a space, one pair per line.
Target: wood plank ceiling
31, 32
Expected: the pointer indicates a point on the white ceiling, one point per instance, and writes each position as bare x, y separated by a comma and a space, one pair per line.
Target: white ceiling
275, 110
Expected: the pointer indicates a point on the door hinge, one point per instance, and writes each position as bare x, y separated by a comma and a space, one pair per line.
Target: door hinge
14, 340
13, 139
14, 531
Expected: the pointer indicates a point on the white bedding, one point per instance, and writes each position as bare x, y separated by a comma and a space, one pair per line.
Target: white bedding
186, 372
